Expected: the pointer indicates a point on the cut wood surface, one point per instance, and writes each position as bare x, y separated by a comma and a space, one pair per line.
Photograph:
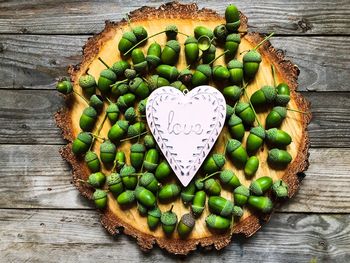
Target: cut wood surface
35, 61
76, 17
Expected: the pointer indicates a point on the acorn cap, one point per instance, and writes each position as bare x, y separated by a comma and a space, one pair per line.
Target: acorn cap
232, 145
149, 141
269, 92
229, 111
123, 124
173, 44
112, 108
146, 179
99, 194
197, 209
139, 189
211, 50
220, 32
140, 32
130, 73
252, 56
153, 59
130, 36
188, 220
234, 63
155, 212
282, 111
233, 38
271, 134
127, 170
237, 211
90, 111
108, 74
226, 175
153, 82
129, 196
191, 40
234, 120
219, 160
211, 219
241, 106
208, 183
171, 29
280, 188
135, 83
168, 218
90, 156
274, 155
282, 99
133, 130
113, 179
87, 81
120, 66
142, 105
255, 188
199, 184
130, 114
258, 131
242, 190
205, 69
85, 137
137, 148
108, 147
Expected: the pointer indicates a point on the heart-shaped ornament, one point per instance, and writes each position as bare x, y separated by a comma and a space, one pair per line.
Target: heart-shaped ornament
186, 125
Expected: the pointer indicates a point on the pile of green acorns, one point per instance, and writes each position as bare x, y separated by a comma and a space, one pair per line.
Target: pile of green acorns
147, 178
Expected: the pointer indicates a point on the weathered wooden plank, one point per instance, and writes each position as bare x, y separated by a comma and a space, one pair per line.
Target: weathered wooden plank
37, 235
34, 62
74, 17
26, 116
37, 177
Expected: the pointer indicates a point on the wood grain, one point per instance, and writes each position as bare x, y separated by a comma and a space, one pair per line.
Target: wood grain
75, 17
70, 236
34, 62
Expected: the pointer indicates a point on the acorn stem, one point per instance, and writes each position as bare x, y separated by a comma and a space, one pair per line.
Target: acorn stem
97, 137
273, 75
82, 97
211, 62
209, 176
109, 101
119, 82
99, 128
299, 111
263, 41
180, 33
104, 63
171, 208
133, 137
251, 105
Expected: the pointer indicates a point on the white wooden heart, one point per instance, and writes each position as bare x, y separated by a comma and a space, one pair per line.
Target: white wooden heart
186, 125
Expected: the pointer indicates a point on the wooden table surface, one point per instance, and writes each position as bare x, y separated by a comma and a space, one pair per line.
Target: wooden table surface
42, 216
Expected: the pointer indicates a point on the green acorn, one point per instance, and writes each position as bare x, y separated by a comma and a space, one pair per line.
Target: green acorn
251, 63
115, 184
130, 73
140, 32
186, 225
232, 18
112, 112
168, 72
212, 187
163, 171
92, 161
191, 50
187, 193
106, 79
126, 198
129, 179
153, 218
202, 75
82, 143
171, 31
118, 131
213, 163
199, 183
283, 94
236, 127
120, 160
279, 157
236, 151
169, 221
145, 197
149, 181
100, 198
275, 118
88, 84
151, 160
136, 129
228, 177
119, 88
198, 203
139, 60
209, 55
220, 206
245, 112
231, 44
139, 87
149, 141
127, 41
203, 31
155, 82
237, 211
220, 73
96, 180
263, 96
119, 67
278, 138
153, 54
130, 115
217, 222
170, 53
232, 93
178, 85
96, 101
260, 203
87, 119
255, 139
125, 101
168, 192
185, 76
235, 68
251, 166
107, 152
137, 152
64, 86
280, 189
220, 33
261, 185
141, 107
240, 195
142, 209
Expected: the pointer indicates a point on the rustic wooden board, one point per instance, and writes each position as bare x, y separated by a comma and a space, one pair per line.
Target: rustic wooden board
71, 236
29, 180
35, 61
65, 17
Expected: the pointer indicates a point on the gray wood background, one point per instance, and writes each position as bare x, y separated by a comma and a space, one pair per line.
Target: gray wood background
42, 216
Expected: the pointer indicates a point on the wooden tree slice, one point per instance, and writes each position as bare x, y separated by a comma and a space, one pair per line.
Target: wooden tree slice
186, 17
